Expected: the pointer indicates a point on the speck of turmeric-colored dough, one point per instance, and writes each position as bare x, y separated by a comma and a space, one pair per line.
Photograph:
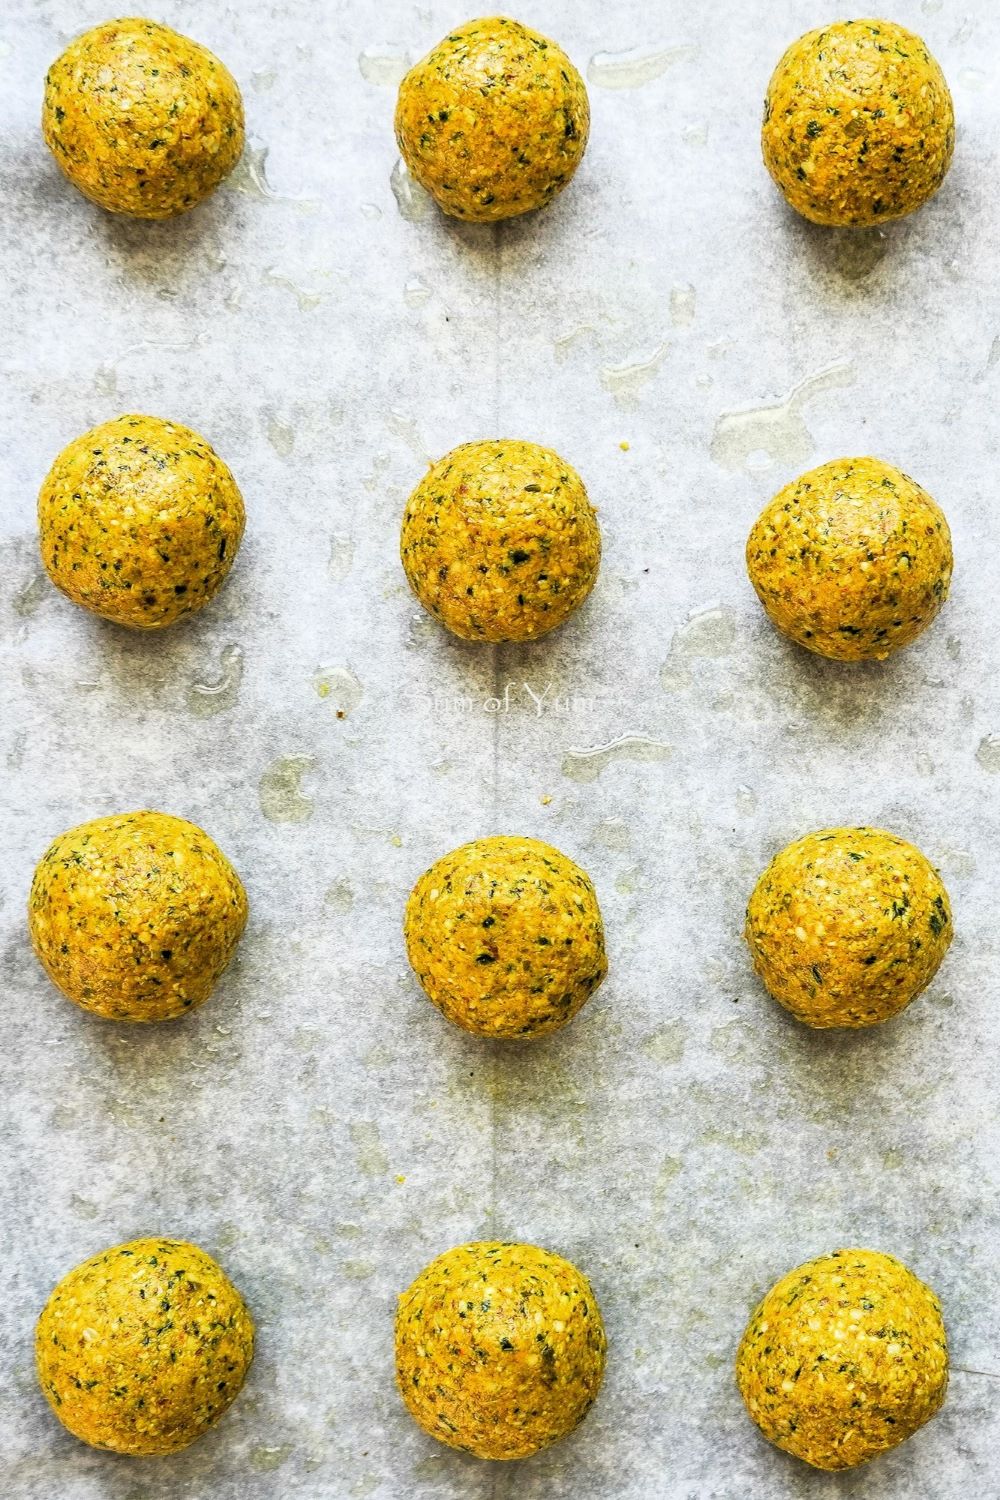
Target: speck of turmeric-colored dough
506, 938
139, 521
859, 126
143, 1347
494, 121
844, 1359
500, 542
500, 1348
141, 119
135, 917
847, 926
852, 560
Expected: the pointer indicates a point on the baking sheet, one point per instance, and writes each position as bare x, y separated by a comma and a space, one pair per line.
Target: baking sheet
317, 1124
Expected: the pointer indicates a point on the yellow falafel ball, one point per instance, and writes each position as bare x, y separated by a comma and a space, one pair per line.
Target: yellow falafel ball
500, 1348
851, 560
859, 126
143, 1347
506, 938
139, 521
844, 1358
494, 121
135, 917
499, 541
141, 119
847, 926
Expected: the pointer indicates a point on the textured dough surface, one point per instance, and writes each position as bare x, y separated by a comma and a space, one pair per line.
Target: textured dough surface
142, 120
139, 521
852, 560
494, 121
847, 926
844, 1358
499, 1348
505, 935
142, 1348
859, 126
500, 542
135, 917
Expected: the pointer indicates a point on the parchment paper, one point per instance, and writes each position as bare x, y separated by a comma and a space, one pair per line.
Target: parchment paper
318, 1125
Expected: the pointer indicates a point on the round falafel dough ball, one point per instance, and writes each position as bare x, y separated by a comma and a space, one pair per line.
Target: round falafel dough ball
859, 126
500, 1348
506, 938
142, 1348
135, 917
139, 521
494, 121
847, 926
844, 1358
142, 120
852, 560
500, 542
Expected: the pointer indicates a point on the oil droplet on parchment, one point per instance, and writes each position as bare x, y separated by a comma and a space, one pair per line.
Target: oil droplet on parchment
637, 66
106, 376
264, 1460
988, 754
280, 436
408, 429
357, 1270
368, 1144
374, 483
746, 800
707, 632
340, 895
29, 597
587, 765
761, 437
341, 558
695, 133
666, 1045
307, 300
413, 202
280, 790
669, 1169
340, 686
421, 629
208, 696
957, 862
249, 177
565, 342
263, 79
625, 381
682, 305
384, 65
416, 292
613, 833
